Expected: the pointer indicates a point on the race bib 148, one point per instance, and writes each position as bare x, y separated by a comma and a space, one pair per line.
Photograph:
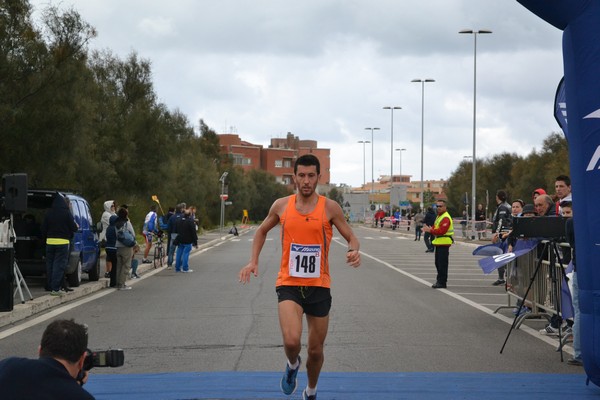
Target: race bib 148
305, 260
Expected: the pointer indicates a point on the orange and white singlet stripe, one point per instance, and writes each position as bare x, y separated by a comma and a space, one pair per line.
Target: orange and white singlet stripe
305, 240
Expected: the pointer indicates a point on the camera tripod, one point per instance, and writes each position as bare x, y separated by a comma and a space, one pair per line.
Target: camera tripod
550, 247
21, 281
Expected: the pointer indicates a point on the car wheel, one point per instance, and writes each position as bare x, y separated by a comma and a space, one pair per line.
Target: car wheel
94, 272
74, 279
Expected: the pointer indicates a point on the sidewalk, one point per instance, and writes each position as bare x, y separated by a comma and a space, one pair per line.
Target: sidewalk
42, 301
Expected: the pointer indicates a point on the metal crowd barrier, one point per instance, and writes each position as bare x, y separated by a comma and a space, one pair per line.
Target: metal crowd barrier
545, 290
482, 229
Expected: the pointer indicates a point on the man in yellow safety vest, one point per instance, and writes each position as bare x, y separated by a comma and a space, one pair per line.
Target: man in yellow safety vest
443, 230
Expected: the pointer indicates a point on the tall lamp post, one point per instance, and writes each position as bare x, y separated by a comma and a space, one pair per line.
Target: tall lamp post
372, 145
364, 142
392, 154
400, 162
223, 198
474, 177
422, 82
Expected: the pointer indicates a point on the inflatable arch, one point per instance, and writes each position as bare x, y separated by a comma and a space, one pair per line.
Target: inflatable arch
580, 22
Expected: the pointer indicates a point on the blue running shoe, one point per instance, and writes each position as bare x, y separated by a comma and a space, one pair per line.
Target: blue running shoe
289, 380
307, 397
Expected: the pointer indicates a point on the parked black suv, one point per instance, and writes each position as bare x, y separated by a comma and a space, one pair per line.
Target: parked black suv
30, 249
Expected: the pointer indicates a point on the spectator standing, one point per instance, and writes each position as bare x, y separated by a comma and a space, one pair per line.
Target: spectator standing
109, 211
576, 359
562, 186
544, 206
124, 253
481, 223
538, 192
164, 225
111, 249
58, 228
55, 374
397, 217
463, 224
186, 238
419, 217
150, 228
379, 217
172, 233
429, 220
443, 230
501, 223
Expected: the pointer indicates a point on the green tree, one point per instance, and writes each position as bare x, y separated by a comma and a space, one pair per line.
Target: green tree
336, 195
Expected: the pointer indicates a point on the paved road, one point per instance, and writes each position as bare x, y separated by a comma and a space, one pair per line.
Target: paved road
385, 316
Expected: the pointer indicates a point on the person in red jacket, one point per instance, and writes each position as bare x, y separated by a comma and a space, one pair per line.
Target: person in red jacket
379, 217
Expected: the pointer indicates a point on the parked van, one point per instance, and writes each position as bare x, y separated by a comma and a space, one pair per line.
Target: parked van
30, 249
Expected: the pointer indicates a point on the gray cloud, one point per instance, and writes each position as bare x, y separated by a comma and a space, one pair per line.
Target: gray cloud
323, 69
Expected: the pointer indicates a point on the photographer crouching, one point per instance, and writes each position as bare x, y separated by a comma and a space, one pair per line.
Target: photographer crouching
58, 373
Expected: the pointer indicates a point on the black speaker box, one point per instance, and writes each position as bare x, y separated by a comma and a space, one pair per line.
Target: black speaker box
7, 279
14, 187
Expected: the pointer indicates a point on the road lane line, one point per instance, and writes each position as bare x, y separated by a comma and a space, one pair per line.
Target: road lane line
509, 321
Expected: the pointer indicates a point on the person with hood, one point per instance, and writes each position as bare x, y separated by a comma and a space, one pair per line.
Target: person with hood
538, 192
124, 253
111, 249
109, 211
58, 229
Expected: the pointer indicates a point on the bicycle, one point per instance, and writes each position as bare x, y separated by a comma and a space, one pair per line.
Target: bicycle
159, 250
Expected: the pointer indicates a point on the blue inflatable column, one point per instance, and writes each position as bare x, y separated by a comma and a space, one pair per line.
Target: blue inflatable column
580, 21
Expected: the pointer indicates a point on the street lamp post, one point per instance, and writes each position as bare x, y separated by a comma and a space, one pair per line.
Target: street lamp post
392, 154
372, 145
223, 198
400, 162
474, 177
422, 82
364, 142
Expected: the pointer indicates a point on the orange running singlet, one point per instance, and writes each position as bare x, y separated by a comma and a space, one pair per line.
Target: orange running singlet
305, 240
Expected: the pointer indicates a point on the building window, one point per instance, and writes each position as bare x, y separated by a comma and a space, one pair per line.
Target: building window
239, 159
287, 163
278, 163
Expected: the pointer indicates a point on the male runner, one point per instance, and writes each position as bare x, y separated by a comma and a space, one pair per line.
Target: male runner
303, 282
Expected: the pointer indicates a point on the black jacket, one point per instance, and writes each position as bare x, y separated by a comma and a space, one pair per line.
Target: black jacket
59, 222
172, 223
430, 218
186, 231
503, 215
41, 379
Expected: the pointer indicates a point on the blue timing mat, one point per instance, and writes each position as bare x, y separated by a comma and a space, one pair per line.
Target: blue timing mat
344, 385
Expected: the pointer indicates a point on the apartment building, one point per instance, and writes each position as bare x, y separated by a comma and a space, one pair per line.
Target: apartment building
278, 158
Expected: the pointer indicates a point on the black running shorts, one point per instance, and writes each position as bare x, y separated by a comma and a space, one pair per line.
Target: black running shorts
314, 300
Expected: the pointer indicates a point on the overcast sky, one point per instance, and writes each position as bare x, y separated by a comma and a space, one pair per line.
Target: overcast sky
323, 70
